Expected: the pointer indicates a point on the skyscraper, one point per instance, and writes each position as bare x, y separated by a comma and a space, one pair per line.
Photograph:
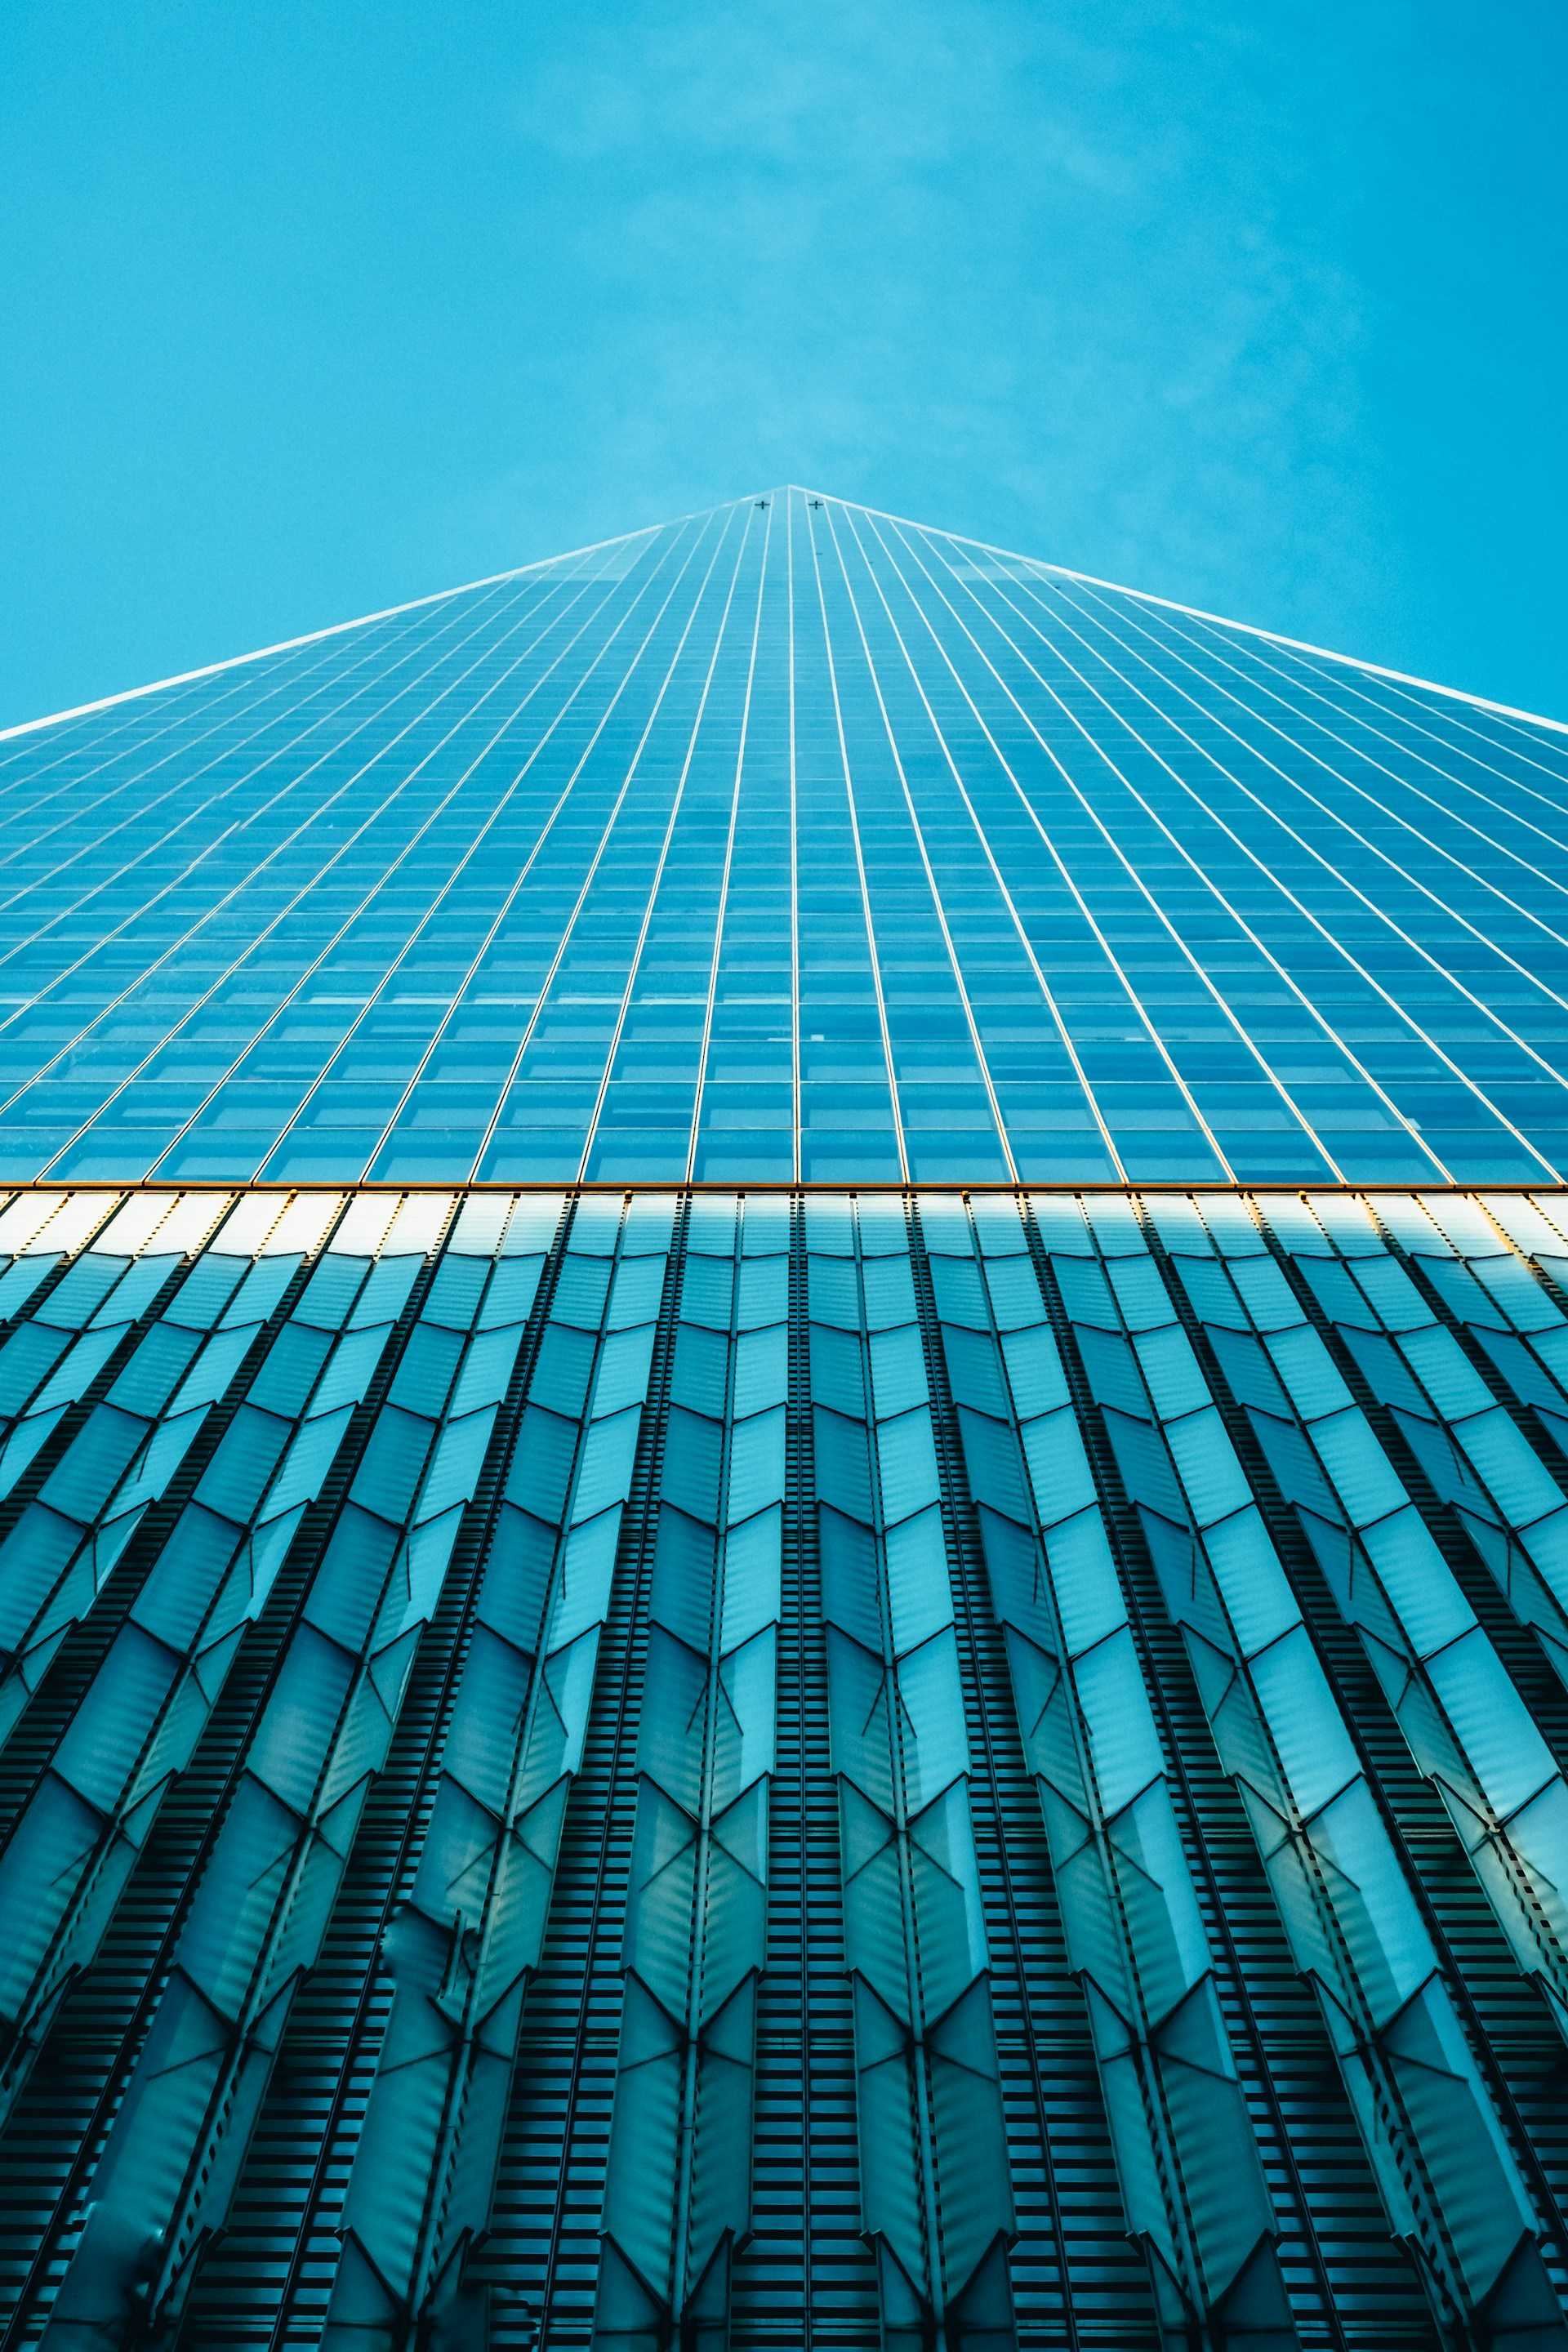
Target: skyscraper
783, 1477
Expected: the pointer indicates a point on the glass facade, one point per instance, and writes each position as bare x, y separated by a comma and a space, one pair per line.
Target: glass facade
783, 1479
787, 841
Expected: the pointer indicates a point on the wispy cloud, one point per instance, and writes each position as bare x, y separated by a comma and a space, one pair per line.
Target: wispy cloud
982, 257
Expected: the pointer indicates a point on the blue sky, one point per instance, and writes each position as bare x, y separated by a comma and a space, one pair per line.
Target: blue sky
1255, 303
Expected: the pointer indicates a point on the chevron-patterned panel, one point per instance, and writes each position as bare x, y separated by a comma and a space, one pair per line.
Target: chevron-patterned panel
748, 1769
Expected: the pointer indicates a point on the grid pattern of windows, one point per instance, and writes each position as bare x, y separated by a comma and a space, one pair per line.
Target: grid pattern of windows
786, 842
626, 1768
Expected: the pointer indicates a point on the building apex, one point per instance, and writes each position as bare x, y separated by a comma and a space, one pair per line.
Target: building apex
830, 504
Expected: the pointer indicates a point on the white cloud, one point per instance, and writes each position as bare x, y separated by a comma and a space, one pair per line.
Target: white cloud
1045, 274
